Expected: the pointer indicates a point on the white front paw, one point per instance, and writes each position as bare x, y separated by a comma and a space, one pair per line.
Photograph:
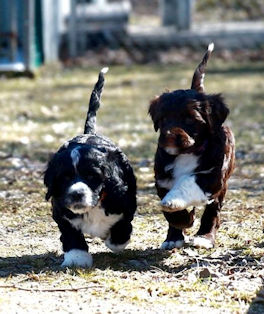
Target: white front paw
76, 257
174, 201
185, 192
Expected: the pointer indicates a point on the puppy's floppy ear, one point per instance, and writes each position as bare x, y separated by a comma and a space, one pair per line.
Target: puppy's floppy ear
154, 111
215, 110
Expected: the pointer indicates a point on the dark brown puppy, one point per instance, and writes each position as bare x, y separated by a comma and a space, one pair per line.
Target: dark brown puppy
194, 158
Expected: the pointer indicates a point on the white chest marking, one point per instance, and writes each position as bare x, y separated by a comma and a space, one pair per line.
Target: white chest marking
183, 165
184, 190
96, 223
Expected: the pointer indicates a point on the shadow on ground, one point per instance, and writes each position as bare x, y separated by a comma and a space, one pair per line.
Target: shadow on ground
257, 304
129, 260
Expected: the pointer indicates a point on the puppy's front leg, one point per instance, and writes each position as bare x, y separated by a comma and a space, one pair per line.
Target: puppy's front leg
73, 244
185, 192
119, 236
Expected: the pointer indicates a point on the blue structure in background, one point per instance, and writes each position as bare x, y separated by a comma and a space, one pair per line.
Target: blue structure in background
22, 34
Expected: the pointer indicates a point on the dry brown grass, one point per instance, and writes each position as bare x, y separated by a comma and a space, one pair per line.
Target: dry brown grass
38, 115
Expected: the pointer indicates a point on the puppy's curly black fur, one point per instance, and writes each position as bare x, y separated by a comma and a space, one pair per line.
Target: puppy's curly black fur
93, 190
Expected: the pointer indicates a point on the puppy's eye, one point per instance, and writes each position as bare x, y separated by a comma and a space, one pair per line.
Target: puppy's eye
188, 121
169, 133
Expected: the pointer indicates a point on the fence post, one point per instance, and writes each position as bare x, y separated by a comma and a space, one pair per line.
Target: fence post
177, 13
50, 11
28, 39
72, 30
13, 31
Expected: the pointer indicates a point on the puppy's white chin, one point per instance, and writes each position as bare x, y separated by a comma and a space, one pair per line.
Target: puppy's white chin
80, 210
171, 150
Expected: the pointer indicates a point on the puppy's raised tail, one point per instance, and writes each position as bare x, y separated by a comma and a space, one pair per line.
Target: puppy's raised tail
94, 103
198, 76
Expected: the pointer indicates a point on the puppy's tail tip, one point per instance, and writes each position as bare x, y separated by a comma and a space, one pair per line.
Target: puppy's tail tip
104, 70
198, 76
94, 103
210, 47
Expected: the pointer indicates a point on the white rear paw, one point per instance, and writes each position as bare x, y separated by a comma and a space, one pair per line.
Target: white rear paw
168, 245
76, 257
202, 243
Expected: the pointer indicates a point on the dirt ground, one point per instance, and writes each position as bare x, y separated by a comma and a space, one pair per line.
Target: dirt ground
38, 115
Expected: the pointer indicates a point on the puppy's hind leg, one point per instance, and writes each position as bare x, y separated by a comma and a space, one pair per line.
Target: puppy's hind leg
74, 245
210, 222
119, 235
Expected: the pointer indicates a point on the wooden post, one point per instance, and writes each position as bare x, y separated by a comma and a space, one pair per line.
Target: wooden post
13, 31
177, 13
28, 39
72, 30
50, 31
82, 34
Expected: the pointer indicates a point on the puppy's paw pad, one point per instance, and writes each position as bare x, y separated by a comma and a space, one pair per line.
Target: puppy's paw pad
115, 247
169, 245
202, 242
77, 258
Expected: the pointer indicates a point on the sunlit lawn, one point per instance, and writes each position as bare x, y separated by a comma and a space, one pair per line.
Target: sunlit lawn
38, 115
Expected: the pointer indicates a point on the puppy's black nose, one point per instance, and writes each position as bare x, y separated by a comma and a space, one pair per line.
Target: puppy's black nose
76, 196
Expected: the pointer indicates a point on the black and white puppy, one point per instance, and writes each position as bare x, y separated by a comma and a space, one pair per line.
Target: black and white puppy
194, 158
93, 190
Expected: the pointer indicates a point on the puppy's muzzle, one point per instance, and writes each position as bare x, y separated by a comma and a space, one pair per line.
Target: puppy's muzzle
77, 196
176, 139
80, 198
